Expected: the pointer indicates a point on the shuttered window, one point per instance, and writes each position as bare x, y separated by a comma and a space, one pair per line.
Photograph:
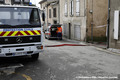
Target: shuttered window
54, 12
49, 13
66, 8
77, 7
71, 8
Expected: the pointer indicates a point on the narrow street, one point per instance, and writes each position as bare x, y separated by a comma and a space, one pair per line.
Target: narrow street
62, 63
87, 45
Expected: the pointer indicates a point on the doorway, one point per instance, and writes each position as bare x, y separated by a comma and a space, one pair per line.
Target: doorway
69, 30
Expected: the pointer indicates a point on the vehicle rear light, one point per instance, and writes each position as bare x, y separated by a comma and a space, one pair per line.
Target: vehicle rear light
48, 33
50, 29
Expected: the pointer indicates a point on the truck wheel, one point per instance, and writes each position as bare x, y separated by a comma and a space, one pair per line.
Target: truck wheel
35, 56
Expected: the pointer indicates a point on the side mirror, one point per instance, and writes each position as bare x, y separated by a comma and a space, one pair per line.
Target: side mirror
43, 16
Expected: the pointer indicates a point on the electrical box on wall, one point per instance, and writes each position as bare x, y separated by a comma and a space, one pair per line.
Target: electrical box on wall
116, 24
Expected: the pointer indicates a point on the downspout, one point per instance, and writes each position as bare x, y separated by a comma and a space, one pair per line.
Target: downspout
92, 24
47, 15
59, 11
108, 22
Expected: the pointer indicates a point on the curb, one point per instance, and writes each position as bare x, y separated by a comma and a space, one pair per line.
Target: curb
89, 44
114, 50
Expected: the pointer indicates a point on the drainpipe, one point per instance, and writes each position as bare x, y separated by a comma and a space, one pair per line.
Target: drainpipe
47, 15
92, 24
59, 11
108, 22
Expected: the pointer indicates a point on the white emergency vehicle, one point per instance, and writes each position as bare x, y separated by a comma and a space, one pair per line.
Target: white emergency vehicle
20, 31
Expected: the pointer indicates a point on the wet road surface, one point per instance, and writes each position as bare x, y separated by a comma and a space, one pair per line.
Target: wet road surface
62, 63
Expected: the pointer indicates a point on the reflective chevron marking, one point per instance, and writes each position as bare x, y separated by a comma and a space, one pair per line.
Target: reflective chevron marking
19, 33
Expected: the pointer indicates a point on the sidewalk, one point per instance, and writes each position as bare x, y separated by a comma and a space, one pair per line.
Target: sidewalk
99, 45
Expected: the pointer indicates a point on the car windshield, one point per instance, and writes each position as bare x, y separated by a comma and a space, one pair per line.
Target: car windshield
19, 16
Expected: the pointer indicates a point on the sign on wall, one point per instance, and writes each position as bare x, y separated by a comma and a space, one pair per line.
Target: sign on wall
116, 24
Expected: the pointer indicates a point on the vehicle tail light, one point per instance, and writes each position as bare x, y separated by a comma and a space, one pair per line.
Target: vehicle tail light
50, 29
48, 33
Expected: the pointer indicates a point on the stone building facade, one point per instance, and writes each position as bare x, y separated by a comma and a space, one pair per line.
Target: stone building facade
73, 18
43, 7
97, 13
82, 20
51, 9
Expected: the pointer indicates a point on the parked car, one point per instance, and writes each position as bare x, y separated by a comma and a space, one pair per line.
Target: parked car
53, 32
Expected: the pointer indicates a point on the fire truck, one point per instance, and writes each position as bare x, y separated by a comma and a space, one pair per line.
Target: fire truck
20, 30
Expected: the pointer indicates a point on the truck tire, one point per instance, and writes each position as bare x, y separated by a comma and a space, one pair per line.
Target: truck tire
35, 56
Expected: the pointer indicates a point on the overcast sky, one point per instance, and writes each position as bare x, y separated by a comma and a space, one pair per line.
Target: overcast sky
35, 2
